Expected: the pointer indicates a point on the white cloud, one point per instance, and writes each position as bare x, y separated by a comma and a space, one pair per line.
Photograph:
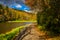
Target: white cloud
18, 6
28, 11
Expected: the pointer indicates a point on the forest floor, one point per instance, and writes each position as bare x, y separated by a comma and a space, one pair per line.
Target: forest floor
32, 32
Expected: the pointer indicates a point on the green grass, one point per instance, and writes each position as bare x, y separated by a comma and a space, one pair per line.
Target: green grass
41, 28
23, 21
11, 34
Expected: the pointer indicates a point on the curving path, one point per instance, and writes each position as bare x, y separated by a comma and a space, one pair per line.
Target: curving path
29, 33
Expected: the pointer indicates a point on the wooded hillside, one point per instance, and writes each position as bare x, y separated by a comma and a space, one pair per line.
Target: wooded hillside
9, 14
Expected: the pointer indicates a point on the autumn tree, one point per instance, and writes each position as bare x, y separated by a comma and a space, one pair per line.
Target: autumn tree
48, 13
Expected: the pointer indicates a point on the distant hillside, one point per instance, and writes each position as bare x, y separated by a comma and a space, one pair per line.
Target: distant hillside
9, 14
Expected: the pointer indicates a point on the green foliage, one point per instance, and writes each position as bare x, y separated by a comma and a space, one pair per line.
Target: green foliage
10, 35
0, 6
50, 17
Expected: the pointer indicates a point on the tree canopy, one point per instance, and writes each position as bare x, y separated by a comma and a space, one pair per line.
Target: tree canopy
48, 14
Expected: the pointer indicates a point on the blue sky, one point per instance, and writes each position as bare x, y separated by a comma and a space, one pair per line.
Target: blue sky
16, 4
19, 6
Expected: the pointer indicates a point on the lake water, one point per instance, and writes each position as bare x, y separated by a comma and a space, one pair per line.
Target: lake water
5, 27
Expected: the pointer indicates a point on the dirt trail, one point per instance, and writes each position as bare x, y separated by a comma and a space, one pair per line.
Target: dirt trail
30, 33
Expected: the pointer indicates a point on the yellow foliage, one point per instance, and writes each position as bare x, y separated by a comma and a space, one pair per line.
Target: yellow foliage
11, 14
